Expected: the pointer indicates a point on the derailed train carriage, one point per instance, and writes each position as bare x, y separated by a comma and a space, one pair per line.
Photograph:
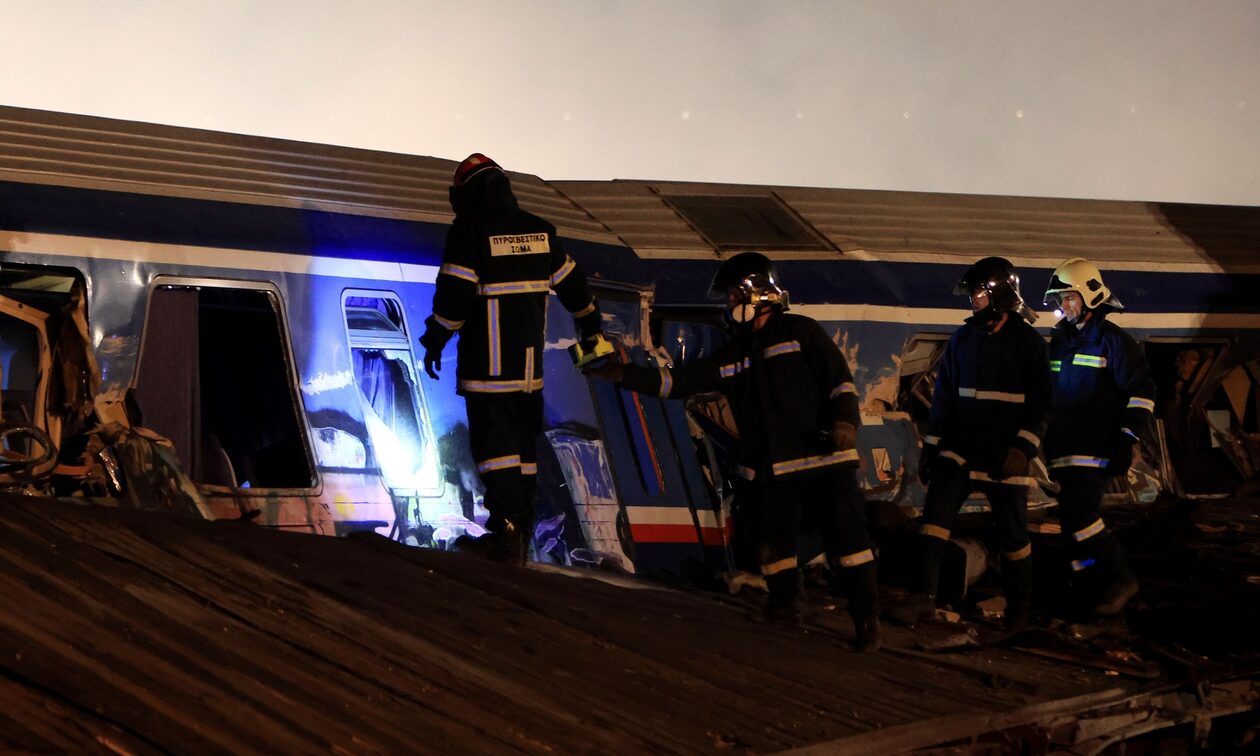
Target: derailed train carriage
232, 320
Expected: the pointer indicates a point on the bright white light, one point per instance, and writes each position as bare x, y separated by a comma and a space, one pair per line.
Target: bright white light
686, 115
1058, 313
398, 457
905, 114
1019, 114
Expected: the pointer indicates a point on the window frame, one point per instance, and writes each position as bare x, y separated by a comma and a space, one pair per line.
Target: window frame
418, 395
290, 357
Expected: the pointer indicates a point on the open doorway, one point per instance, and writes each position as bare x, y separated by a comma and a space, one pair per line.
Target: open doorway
216, 377
36, 302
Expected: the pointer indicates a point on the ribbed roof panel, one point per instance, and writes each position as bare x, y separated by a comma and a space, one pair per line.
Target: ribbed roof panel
914, 225
115, 155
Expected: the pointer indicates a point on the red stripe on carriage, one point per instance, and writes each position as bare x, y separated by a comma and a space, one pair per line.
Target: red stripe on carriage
663, 533
713, 536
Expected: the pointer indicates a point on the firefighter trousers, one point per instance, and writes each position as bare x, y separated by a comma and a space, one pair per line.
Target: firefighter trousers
503, 433
1097, 558
829, 501
949, 486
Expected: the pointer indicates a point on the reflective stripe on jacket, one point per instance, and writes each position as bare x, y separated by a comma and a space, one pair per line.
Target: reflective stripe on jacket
992, 392
787, 383
497, 270
1102, 388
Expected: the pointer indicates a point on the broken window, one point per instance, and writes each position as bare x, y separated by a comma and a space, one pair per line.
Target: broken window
688, 335
393, 403
747, 223
918, 376
215, 377
34, 302
1200, 409
19, 365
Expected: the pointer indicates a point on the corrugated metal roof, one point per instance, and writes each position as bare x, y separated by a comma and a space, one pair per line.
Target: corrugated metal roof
101, 153
147, 633
891, 225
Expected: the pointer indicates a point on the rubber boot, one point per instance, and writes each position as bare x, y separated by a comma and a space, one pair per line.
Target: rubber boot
1017, 611
1017, 589
1119, 584
862, 587
505, 545
928, 575
920, 604
784, 604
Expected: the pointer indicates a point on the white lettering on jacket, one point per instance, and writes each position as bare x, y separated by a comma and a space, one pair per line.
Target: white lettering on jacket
519, 244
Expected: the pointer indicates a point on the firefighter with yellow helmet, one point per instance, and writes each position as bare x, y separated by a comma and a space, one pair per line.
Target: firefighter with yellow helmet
1104, 400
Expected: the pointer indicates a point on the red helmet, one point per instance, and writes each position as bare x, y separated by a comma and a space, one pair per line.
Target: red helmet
473, 165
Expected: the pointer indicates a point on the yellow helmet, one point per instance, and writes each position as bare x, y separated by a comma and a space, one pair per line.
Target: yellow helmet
1084, 278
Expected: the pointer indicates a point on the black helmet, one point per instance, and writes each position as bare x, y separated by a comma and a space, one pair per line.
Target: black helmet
755, 274
997, 276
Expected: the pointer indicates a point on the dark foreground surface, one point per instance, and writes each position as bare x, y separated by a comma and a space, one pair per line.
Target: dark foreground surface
123, 631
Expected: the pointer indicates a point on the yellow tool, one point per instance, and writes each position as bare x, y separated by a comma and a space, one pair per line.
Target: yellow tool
587, 352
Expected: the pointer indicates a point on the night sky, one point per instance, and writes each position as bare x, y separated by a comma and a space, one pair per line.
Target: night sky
1128, 99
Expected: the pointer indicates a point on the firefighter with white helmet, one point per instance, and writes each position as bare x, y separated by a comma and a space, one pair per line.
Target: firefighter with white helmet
988, 413
1104, 400
795, 404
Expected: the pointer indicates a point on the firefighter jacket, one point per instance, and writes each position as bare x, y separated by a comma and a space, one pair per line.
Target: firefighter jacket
992, 394
1104, 396
787, 383
499, 264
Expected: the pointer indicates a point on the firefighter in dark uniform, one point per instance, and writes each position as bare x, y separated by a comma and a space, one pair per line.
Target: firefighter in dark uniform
499, 264
1104, 400
988, 415
795, 404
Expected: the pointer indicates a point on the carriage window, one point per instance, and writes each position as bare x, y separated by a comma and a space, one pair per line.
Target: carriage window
394, 408
216, 378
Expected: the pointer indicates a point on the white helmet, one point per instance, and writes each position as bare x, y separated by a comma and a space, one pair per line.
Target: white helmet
1084, 278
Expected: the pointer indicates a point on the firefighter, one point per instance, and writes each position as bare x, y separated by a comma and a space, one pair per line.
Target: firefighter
795, 405
1104, 400
497, 268
988, 414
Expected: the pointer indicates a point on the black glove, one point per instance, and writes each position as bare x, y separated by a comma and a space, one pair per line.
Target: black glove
1014, 465
926, 456
432, 362
1121, 457
843, 435
433, 345
589, 326
609, 369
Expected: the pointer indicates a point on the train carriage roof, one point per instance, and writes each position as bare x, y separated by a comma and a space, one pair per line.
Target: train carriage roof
657, 219
61, 149
674, 219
